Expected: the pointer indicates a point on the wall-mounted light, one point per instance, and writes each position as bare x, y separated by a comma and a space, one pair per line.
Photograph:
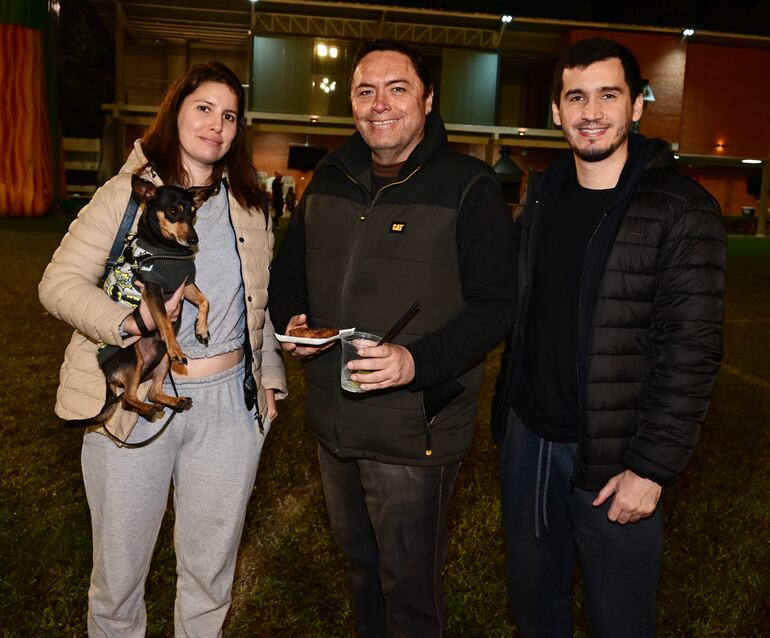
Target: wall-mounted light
751, 161
321, 50
522, 131
647, 94
327, 86
676, 156
506, 19
253, 1
720, 145
688, 32
333, 52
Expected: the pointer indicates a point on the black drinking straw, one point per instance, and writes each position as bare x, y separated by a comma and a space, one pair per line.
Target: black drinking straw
400, 323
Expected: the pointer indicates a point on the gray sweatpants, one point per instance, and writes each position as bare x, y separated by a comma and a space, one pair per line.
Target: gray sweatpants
210, 453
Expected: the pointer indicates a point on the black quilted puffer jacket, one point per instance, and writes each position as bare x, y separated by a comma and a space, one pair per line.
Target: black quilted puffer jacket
650, 318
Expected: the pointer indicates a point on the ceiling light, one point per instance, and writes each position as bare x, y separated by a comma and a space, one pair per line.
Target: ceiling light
322, 50
688, 31
506, 18
751, 161
676, 156
333, 51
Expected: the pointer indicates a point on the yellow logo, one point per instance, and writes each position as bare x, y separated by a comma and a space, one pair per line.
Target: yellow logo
398, 227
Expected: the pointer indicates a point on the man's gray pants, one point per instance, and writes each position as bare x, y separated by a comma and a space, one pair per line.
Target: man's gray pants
211, 454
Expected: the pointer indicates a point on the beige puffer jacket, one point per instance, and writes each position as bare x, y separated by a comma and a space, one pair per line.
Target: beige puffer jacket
69, 291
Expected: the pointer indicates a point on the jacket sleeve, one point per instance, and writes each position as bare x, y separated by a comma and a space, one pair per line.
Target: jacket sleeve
273, 373
288, 285
485, 240
68, 289
687, 342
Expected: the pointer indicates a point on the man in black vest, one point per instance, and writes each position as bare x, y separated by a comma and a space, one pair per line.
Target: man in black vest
607, 373
393, 217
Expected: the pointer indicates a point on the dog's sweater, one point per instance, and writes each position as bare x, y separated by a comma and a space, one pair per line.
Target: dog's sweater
147, 263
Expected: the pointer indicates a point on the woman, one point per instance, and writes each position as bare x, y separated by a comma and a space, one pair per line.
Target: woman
211, 451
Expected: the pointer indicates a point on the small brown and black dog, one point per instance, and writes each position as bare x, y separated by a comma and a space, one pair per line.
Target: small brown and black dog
160, 257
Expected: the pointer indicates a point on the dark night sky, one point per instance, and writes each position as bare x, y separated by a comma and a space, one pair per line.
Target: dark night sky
732, 16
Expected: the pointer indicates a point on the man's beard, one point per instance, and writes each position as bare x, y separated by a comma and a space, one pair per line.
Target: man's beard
593, 153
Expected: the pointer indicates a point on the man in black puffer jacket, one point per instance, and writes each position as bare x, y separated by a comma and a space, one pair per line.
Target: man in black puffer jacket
392, 217
607, 373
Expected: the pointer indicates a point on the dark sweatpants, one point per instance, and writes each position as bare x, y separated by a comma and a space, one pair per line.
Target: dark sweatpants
549, 526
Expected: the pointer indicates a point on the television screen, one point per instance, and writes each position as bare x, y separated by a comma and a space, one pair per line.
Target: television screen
305, 158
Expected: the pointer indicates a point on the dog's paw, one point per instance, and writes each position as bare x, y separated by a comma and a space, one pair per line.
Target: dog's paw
183, 403
151, 411
179, 358
202, 338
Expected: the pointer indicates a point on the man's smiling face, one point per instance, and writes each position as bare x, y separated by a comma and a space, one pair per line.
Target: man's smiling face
389, 105
596, 110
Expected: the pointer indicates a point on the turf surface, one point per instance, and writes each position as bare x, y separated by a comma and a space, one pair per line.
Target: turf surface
290, 579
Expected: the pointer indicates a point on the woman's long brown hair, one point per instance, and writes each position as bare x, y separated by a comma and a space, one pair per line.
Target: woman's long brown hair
160, 141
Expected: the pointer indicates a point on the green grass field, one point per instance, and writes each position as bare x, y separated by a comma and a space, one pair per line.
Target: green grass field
290, 578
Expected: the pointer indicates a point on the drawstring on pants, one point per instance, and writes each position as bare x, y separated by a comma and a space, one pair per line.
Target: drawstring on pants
545, 489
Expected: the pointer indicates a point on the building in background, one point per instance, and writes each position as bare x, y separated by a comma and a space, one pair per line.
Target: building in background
707, 93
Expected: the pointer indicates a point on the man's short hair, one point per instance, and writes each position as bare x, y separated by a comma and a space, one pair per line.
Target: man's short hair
584, 53
386, 44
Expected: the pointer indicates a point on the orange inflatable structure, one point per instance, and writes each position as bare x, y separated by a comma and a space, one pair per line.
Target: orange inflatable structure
26, 173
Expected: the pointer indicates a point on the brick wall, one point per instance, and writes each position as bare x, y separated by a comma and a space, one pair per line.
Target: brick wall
727, 100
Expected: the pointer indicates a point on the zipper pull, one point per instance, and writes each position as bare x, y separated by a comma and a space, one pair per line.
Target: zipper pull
259, 422
428, 446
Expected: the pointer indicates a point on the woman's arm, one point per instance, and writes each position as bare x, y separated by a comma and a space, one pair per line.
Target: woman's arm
68, 289
273, 373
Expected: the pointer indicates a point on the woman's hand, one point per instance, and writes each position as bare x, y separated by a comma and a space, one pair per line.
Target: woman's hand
272, 408
173, 308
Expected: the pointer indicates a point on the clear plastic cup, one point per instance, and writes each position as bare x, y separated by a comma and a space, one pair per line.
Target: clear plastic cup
350, 345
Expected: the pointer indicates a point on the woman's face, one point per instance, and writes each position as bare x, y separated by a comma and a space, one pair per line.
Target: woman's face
207, 124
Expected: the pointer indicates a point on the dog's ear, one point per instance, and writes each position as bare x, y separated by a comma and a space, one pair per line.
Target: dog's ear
200, 194
144, 189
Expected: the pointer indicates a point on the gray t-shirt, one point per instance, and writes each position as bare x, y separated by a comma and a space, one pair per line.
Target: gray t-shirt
218, 275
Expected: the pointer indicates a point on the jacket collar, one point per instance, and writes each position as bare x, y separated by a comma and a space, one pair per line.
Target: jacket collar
644, 153
355, 157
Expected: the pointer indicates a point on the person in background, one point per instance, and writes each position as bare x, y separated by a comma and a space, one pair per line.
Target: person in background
210, 452
393, 217
277, 197
291, 200
608, 371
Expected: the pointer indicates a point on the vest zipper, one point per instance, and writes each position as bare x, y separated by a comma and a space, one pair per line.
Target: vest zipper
349, 270
581, 417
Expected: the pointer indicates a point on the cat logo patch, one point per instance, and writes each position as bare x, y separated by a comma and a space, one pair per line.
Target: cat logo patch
398, 227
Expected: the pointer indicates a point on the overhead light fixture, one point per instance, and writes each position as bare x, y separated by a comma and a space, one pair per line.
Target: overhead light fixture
676, 156
751, 161
322, 50
506, 18
506, 169
327, 86
333, 52
522, 131
688, 31
253, 1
